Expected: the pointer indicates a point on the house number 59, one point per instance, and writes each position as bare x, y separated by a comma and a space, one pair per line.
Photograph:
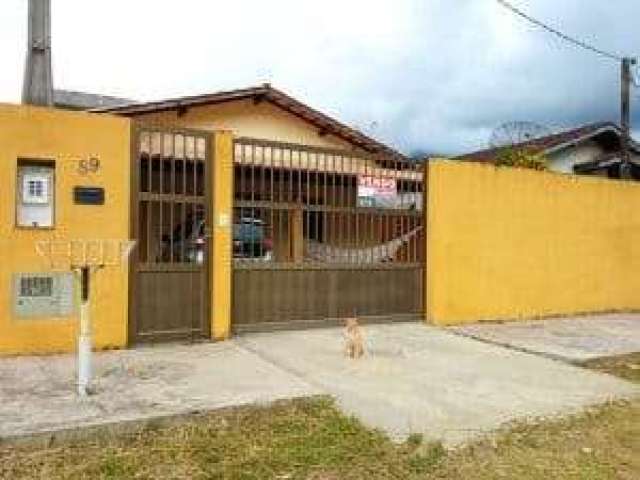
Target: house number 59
88, 165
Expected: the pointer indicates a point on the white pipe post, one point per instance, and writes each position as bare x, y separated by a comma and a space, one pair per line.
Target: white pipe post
85, 340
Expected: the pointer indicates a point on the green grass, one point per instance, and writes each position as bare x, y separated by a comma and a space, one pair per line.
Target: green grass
310, 439
294, 439
623, 366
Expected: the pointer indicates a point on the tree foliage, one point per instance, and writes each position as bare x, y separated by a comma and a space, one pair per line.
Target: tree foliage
521, 158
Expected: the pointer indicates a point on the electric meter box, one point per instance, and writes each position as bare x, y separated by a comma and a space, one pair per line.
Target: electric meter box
35, 192
43, 295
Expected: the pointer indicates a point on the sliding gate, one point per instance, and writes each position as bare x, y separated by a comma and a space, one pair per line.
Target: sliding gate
320, 235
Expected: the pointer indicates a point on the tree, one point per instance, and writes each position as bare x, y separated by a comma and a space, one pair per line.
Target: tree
521, 158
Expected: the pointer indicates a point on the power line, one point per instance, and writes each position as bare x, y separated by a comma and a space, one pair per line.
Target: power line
558, 33
628, 78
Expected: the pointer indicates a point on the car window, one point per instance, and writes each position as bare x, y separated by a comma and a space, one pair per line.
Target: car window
178, 234
248, 232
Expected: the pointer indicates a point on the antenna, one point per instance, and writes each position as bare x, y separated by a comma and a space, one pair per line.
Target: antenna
513, 133
38, 79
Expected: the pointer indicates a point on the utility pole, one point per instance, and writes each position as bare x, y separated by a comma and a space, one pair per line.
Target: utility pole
625, 110
38, 79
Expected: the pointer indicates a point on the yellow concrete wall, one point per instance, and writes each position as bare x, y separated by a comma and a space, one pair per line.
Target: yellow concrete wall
222, 235
66, 138
508, 243
245, 119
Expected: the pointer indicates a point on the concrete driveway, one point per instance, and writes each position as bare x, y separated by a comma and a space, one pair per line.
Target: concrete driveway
573, 339
422, 379
414, 379
37, 394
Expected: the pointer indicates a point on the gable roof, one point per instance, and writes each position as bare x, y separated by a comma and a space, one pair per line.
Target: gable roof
324, 123
551, 143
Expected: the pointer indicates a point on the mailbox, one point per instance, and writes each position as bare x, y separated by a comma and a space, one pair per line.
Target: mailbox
88, 195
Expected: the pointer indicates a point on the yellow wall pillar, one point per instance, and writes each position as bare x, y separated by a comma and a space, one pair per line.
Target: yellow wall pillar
220, 261
67, 140
427, 235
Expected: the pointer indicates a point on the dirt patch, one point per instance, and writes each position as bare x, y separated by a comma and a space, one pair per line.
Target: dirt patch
623, 366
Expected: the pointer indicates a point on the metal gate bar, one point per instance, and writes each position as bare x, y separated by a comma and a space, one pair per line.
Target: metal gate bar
322, 234
170, 207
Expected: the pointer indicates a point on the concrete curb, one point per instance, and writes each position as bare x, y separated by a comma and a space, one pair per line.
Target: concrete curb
530, 351
103, 432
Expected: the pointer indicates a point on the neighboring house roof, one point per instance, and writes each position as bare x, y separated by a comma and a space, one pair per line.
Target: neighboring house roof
85, 101
604, 162
325, 124
551, 143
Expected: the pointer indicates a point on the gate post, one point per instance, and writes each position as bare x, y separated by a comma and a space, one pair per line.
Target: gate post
427, 275
220, 257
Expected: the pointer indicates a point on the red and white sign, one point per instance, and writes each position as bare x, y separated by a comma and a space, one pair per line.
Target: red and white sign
369, 186
373, 191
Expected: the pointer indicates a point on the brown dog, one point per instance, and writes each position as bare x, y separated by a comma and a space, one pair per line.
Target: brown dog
354, 338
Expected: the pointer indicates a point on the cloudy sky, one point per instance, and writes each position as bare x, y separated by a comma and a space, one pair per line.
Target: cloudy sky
428, 75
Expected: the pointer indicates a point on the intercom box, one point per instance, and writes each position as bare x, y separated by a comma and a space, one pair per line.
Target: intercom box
35, 195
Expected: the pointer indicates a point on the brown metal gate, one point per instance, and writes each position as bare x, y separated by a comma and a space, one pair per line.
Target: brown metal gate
319, 235
170, 196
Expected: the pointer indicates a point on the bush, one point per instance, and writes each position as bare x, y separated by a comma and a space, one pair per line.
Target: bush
521, 158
